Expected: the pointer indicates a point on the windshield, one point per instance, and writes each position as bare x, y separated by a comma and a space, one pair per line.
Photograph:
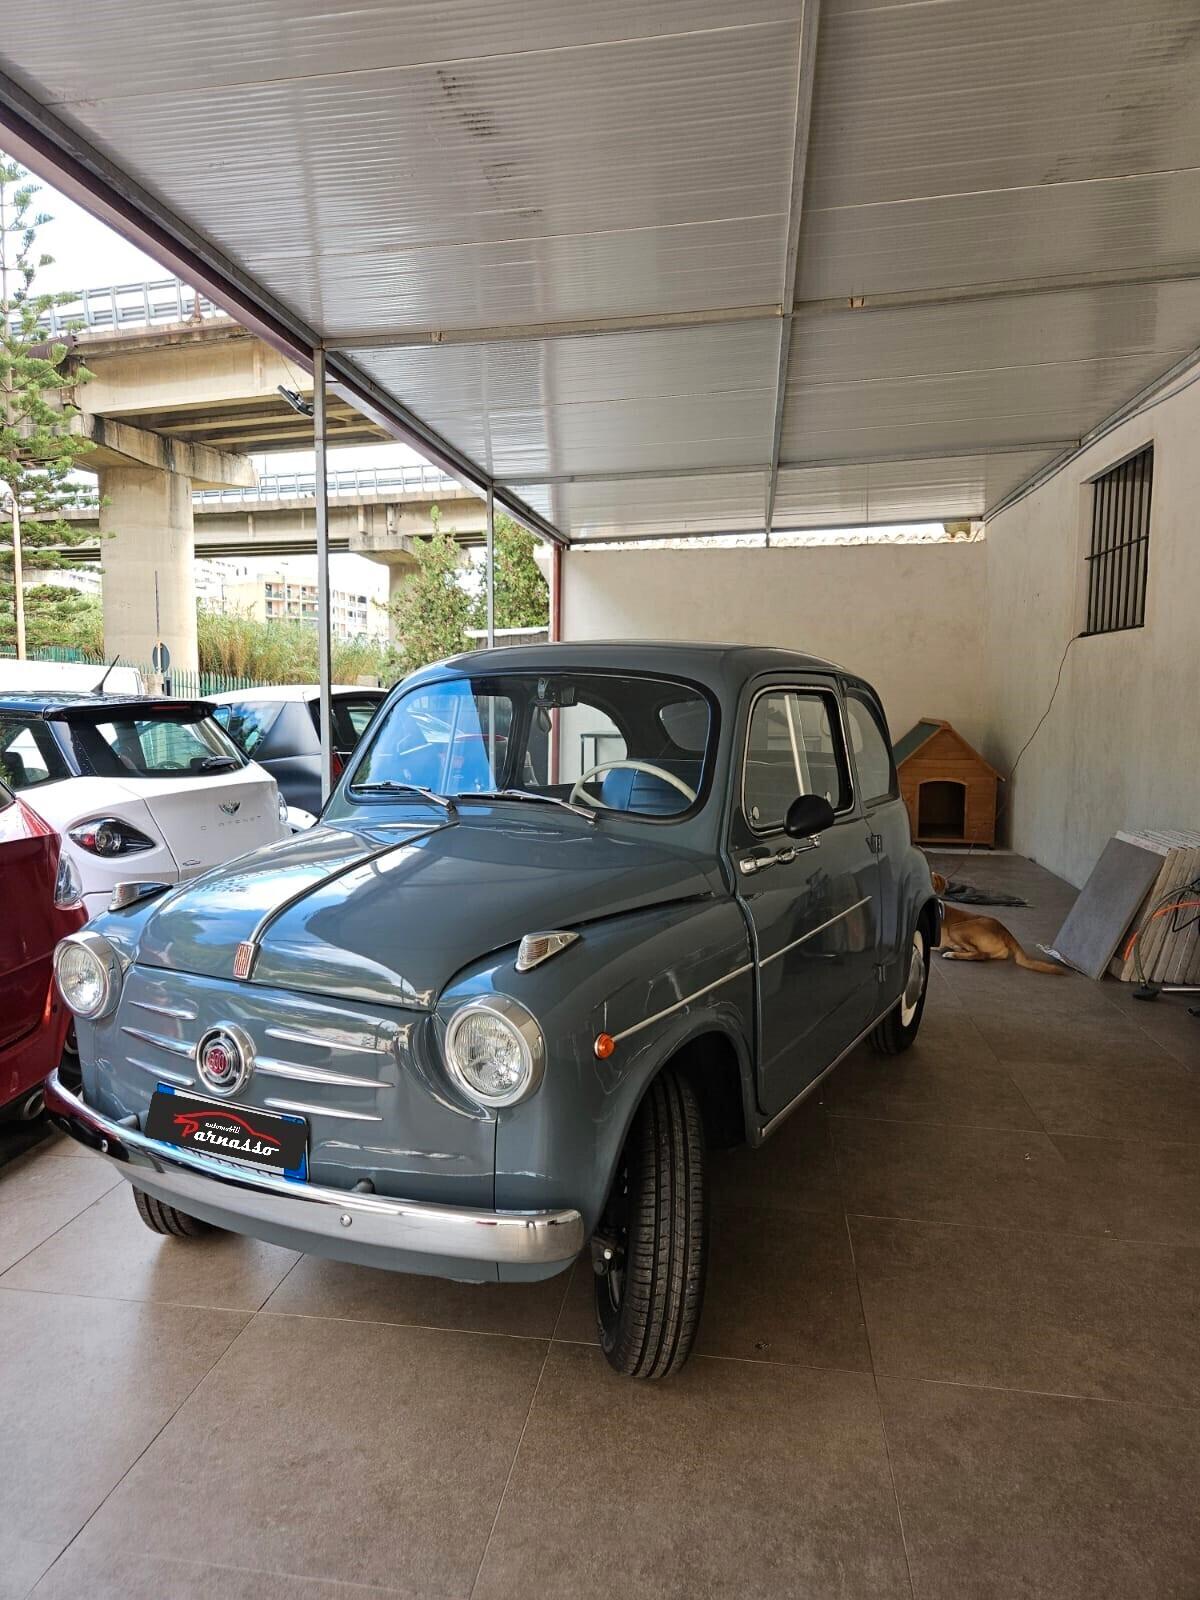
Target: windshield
609, 741
161, 746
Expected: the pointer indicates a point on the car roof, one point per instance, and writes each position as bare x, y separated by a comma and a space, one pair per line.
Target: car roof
291, 691
722, 667
51, 704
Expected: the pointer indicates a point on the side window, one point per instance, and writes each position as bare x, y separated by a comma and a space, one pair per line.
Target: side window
793, 747
247, 722
872, 751
29, 755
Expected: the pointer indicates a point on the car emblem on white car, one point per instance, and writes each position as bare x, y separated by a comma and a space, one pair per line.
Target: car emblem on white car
230, 806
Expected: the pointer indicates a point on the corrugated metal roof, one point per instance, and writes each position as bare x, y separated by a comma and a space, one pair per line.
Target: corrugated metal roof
993, 211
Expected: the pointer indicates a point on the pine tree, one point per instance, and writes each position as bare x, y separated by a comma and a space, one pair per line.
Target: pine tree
38, 451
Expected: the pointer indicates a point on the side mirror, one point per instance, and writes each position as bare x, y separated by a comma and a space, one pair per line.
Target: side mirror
808, 814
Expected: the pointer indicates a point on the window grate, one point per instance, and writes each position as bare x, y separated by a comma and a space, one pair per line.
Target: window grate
1120, 547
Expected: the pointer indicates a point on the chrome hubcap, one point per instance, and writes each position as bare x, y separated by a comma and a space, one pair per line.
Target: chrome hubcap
915, 984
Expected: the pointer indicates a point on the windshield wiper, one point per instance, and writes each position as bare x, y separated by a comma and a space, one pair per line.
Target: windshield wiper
528, 794
390, 786
219, 764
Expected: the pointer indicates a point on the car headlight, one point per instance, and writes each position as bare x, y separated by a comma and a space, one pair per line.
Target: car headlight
495, 1050
88, 973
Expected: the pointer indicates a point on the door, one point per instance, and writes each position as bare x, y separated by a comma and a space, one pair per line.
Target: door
813, 904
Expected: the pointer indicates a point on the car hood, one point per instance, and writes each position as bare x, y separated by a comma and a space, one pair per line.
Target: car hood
392, 914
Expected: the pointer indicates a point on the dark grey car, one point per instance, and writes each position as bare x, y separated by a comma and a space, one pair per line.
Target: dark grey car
574, 914
279, 728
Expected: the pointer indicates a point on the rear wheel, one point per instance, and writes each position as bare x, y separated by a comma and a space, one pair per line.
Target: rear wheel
898, 1030
651, 1248
162, 1218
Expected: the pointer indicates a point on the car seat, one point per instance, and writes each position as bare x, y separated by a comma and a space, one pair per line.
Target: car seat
626, 790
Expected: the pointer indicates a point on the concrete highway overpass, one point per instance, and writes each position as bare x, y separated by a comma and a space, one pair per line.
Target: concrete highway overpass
174, 408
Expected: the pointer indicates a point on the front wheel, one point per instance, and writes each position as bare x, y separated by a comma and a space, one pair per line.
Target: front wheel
898, 1030
159, 1217
651, 1249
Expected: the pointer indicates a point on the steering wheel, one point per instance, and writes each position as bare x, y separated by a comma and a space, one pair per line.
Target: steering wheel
627, 766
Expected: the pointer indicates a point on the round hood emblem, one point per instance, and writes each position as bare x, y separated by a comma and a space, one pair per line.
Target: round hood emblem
224, 1058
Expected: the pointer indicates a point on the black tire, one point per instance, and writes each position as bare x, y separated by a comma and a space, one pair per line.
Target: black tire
162, 1218
895, 1034
648, 1303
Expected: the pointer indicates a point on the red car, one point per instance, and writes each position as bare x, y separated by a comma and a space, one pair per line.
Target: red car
42, 900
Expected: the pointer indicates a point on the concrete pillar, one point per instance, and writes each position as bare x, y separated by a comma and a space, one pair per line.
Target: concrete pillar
148, 512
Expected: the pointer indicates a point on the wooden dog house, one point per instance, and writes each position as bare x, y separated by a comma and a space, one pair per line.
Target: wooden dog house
949, 789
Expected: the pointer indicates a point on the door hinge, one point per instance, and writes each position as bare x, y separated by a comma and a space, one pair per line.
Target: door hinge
880, 972
875, 843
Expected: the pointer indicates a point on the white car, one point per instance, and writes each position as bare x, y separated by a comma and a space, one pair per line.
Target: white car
80, 677
148, 790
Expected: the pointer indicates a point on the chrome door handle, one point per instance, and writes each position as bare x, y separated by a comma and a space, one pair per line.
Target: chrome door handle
766, 858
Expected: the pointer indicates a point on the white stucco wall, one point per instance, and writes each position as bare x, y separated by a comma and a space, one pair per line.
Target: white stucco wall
1122, 744
909, 618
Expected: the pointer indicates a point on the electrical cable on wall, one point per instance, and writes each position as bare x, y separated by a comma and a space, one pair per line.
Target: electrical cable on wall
1003, 800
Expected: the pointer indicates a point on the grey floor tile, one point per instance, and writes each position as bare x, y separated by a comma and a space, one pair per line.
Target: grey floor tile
731, 1479
960, 1086
321, 1288
794, 1170
22, 1562
87, 1385
91, 1570
1046, 1312
1046, 1498
1089, 1039
781, 1287
1135, 1099
108, 1251
990, 1177
38, 1196
343, 1451
1136, 1190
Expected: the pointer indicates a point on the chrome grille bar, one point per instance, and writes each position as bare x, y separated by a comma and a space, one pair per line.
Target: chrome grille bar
288, 1069
175, 1046
303, 1109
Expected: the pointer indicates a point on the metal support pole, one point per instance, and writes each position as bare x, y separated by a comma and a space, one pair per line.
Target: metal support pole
324, 639
491, 569
18, 576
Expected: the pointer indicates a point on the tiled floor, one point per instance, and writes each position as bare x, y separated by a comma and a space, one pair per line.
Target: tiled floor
949, 1352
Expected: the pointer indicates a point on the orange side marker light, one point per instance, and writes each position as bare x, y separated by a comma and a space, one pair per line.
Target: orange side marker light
604, 1046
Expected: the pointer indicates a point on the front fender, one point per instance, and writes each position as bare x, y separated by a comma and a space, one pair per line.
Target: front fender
653, 980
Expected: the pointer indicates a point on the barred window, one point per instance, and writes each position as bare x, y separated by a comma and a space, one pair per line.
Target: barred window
1120, 546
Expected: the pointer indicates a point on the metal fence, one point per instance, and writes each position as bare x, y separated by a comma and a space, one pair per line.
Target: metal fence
193, 684
129, 305
408, 479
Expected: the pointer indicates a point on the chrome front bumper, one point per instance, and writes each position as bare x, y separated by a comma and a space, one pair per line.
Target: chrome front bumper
325, 1220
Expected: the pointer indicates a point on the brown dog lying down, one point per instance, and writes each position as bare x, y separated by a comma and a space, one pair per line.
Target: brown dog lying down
966, 936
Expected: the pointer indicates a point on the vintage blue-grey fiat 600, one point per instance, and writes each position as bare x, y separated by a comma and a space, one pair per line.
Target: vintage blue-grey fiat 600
573, 915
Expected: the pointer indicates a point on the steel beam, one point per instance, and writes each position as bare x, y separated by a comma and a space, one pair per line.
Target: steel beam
569, 328
880, 458
810, 17
324, 621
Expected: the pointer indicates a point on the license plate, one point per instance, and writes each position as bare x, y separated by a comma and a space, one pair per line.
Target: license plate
253, 1138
